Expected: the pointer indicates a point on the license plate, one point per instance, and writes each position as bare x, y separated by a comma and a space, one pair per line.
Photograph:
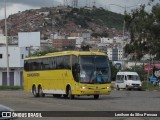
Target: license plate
96, 92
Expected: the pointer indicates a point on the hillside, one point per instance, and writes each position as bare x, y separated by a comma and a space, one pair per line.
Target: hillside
65, 20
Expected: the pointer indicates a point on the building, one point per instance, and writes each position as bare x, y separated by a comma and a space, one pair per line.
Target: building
107, 40
18, 50
79, 41
2, 39
16, 60
64, 43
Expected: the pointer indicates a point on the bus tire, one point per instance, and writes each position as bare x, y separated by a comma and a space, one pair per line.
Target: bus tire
40, 92
34, 91
57, 95
96, 96
118, 87
65, 96
70, 93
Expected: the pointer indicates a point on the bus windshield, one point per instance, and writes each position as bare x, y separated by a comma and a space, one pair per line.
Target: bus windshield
94, 69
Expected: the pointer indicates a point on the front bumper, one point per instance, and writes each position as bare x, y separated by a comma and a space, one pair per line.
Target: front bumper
134, 87
93, 91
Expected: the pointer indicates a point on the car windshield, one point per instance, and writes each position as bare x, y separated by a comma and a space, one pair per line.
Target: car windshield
133, 77
94, 69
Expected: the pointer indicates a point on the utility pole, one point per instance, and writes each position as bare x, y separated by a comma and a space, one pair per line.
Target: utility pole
74, 3
65, 2
124, 22
94, 3
123, 38
7, 57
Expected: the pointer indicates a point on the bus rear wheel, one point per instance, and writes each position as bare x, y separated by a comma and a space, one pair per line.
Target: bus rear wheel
40, 91
69, 93
96, 96
34, 91
57, 95
118, 87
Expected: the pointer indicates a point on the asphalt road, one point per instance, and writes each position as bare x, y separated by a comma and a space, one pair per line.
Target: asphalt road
116, 101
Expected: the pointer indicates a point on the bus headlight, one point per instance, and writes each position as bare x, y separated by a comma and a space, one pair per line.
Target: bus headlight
83, 87
108, 87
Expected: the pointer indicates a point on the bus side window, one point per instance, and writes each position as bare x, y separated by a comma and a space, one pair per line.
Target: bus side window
42, 65
26, 65
67, 62
31, 65
52, 63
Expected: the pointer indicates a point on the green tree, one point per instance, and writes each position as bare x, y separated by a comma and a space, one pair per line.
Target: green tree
144, 31
139, 70
44, 52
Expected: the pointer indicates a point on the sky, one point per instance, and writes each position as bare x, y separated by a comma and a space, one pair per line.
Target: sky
118, 6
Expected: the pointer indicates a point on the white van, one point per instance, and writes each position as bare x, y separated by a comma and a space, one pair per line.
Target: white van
128, 80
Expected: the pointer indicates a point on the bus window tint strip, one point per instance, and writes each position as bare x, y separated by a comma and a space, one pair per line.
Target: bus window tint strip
51, 63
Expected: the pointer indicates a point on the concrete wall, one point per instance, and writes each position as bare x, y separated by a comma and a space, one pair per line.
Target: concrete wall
106, 40
15, 56
17, 77
2, 39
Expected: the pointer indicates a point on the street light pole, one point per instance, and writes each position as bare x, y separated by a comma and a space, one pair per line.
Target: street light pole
122, 59
7, 57
124, 7
123, 44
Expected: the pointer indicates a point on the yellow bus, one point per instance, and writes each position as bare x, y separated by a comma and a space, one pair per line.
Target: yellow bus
67, 74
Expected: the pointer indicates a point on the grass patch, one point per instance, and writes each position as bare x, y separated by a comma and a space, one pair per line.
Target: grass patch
149, 86
11, 87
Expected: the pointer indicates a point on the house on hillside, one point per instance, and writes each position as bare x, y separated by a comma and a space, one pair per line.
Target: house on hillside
63, 44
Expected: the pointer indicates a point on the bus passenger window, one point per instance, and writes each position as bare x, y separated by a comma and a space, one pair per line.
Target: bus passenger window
42, 66
26, 66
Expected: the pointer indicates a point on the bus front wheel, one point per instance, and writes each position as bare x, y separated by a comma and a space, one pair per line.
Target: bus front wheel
34, 91
96, 96
70, 93
57, 95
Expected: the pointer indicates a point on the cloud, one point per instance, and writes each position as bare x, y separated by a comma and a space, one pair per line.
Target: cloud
15, 8
39, 3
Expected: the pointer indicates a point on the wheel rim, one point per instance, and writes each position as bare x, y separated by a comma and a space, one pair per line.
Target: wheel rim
96, 96
34, 91
117, 87
70, 94
40, 92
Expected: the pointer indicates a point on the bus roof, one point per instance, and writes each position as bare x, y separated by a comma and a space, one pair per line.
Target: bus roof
127, 73
67, 53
